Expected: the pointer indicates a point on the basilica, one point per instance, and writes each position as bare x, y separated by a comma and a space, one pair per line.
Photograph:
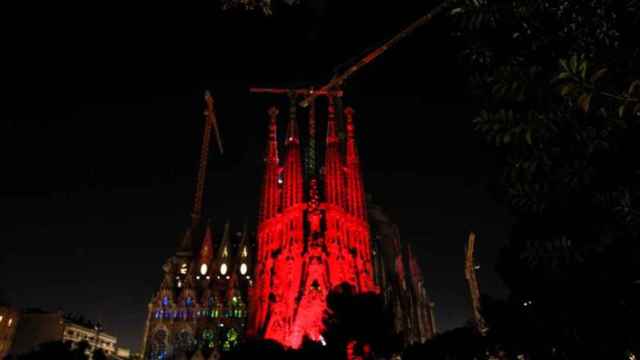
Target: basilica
316, 230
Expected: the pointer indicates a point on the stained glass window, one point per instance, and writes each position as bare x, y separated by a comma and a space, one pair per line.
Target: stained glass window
208, 338
231, 340
185, 342
159, 346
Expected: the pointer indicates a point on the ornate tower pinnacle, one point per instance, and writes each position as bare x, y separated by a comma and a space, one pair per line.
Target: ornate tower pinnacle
292, 171
355, 190
334, 175
270, 201
206, 252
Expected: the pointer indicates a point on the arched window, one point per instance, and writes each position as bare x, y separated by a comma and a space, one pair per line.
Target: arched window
208, 338
185, 342
158, 346
231, 340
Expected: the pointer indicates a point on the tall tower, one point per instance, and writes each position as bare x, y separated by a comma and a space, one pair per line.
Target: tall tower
312, 236
199, 310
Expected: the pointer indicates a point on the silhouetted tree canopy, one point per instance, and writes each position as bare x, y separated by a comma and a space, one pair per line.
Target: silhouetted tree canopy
557, 92
53, 350
98, 354
457, 344
359, 317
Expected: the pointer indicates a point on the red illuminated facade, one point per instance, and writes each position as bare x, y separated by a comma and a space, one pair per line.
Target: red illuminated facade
313, 233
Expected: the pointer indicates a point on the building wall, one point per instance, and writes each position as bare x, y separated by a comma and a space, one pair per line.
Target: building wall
35, 329
8, 323
400, 278
123, 353
76, 333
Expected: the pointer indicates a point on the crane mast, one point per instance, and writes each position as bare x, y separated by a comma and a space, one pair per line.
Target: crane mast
470, 275
210, 124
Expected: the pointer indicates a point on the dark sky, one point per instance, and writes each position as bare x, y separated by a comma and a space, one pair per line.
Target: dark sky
100, 133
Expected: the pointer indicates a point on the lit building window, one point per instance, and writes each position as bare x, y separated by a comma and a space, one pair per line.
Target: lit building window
183, 269
203, 269
1, 317
10, 322
243, 268
223, 269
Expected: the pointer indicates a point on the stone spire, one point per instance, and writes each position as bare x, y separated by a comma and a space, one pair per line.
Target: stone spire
355, 190
270, 200
292, 171
334, 174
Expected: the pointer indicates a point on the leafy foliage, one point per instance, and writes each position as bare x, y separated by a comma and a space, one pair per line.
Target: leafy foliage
557, 92
552, 100
263, 6
98, 354
362, 318
457, 344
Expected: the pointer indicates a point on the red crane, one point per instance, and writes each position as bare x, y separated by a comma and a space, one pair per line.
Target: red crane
472, 282
211, 123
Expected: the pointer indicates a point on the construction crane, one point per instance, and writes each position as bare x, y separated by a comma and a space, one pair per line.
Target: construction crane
210, 123
470, 275
339, 78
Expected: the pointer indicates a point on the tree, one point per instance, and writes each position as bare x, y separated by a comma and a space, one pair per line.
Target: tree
254, 349
557, 95
264, 6
457, 344
49, 350
80, 350
98, 354
362, 318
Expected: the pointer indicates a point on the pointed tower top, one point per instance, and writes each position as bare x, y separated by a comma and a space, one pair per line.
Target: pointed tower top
273, 113
243, 254
414, 267
272, 146
224, 252
352, 151
293, 136
206, 250
348, 112
332, 134
185, 244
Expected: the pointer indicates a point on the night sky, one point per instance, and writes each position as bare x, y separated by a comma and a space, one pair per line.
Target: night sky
100, 129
